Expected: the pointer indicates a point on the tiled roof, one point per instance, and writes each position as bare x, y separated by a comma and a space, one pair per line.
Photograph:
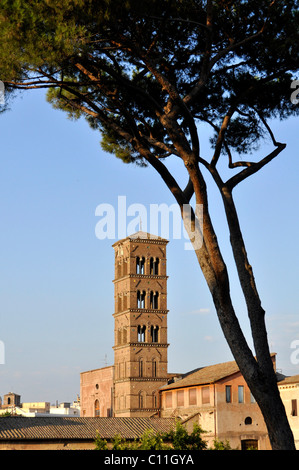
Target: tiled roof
69, 428
294, 379
205, 375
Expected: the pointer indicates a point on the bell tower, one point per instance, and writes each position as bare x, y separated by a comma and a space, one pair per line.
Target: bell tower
140, 324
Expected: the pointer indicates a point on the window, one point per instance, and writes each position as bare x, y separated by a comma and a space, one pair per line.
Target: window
119, 270
192, 396
119, 303
124, 336
141, 370
249, 444
97, 408
125, 267
140, 265
141, 399
180, 397
119, 336
154, 296
248, 420
140, 299
294, 408
154, 368
241, 393
154, 334
228, 393
168, 400
141, 333
252, 399
205, 395
154, 266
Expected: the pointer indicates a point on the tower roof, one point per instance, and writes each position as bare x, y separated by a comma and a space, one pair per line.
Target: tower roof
140, 235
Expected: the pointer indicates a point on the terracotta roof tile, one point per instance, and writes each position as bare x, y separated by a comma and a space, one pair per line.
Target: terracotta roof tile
294, 379
205, 375
79, 428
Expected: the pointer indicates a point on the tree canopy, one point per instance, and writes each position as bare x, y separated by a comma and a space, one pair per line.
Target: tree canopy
134, 68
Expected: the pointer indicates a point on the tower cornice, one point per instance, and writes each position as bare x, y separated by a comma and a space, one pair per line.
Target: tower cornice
141, 310
141, 276
143, 237
143, 345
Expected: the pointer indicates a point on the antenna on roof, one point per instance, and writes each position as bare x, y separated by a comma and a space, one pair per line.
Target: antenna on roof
105, 360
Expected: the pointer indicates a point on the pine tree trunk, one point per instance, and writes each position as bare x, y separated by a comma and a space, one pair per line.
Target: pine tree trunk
263, 385
257, 370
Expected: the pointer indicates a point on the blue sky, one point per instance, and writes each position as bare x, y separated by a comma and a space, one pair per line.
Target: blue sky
56, 290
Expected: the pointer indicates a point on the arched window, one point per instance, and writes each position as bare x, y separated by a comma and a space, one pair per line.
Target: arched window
125, 266
119, 270
154, 266
248, 420
154, 334
124, 335
154, 368
140, 265
141, 333
119, 336
125, 298
119, 303
141, 399
140, 299
154, 300
97, 408
140, 367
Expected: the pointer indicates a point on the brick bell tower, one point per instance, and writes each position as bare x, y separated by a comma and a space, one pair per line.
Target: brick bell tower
140, 324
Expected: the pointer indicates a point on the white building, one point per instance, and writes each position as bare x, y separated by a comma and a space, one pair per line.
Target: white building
289, 392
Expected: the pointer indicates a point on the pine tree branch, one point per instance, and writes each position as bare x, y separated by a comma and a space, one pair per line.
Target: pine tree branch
254, 167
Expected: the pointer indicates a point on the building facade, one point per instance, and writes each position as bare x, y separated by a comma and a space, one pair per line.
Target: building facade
218, 399
130, 387
96, 392
140, 324
289, 392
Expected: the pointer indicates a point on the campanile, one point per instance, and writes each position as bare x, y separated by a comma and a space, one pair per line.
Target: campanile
140, 324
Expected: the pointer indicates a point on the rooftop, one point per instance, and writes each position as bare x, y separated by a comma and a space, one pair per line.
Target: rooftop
206, 375
140, 235
294, 379
16, 428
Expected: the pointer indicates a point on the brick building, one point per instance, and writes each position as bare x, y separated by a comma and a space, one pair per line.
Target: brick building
130, 387
218, 399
